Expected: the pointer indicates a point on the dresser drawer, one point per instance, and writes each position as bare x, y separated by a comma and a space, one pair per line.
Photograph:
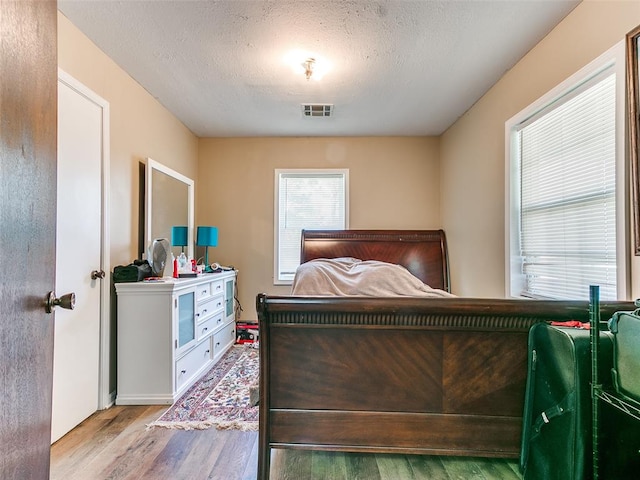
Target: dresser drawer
217, 287
223, 338
209, 307
209, 325
192, 362
218, 303
203, 291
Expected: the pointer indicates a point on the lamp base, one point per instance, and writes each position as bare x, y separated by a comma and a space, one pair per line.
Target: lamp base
207, 265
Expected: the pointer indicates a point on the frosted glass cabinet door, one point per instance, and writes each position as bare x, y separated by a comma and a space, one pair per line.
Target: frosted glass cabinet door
186, 319
229, 287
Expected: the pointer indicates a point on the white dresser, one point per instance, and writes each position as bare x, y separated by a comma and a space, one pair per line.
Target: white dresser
169, 333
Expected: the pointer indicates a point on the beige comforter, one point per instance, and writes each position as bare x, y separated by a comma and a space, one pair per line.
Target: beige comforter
353, 277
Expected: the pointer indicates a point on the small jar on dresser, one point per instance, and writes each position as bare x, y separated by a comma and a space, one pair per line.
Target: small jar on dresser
170, 332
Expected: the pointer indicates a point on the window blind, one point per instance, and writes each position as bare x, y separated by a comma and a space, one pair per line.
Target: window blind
309, 200
567, 207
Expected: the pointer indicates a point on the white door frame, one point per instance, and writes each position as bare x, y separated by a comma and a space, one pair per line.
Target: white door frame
106, 398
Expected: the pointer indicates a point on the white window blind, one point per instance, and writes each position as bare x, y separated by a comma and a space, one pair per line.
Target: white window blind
307, 199
568, 194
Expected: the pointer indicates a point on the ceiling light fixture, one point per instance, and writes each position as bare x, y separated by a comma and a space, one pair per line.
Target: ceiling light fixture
310, 64
308, 67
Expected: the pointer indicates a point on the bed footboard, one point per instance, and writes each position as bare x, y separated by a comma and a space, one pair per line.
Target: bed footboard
402, 375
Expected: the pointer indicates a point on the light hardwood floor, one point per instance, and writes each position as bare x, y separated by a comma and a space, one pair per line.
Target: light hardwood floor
114, 444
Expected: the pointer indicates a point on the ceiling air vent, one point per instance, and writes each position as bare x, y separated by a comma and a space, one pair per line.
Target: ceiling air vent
317, 110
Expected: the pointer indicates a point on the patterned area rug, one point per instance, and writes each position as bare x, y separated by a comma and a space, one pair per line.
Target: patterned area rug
221, 397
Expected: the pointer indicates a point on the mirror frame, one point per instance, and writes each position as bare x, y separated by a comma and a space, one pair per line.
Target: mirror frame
633, 99
151, 166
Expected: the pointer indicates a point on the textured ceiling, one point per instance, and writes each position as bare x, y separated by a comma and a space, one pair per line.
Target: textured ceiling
396, 67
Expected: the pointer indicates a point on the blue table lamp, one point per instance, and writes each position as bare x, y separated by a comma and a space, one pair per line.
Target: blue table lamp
207, 237
179, 237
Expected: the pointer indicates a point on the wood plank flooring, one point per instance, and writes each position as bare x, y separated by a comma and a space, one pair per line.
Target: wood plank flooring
113, 444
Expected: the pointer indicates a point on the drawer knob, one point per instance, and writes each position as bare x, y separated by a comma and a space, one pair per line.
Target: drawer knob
182, 372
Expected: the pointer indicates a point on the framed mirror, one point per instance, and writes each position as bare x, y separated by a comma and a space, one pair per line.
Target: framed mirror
169, 202
633, 89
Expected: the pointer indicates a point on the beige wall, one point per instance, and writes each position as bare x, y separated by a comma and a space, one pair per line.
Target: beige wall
140, 127
394, 183
473, 149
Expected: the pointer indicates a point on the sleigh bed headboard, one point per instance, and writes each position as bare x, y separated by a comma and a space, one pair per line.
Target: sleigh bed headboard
422, 252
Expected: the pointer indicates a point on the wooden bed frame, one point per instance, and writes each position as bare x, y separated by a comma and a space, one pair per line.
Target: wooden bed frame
399, 375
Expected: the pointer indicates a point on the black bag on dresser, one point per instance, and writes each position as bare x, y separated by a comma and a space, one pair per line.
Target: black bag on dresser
557, 419
136, 271
625, 327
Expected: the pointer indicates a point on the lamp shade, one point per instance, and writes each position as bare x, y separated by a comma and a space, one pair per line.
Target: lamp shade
179, 236
207, 237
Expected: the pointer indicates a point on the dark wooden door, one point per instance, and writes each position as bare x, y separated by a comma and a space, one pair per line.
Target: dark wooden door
28, 110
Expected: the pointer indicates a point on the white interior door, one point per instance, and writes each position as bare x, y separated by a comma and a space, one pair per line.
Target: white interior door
79, 237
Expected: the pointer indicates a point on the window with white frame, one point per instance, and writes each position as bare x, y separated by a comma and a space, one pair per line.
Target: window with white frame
566, 189
306, 199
